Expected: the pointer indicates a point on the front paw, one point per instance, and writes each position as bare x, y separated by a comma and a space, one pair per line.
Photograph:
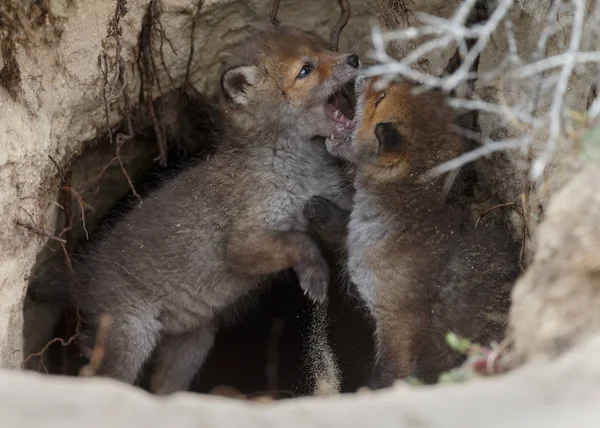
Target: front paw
314, 279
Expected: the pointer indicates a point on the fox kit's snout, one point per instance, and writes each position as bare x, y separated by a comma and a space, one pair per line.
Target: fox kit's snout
222, 228
288, 79
400, 139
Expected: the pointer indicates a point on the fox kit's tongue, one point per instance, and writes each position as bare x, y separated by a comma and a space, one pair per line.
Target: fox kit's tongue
342, 123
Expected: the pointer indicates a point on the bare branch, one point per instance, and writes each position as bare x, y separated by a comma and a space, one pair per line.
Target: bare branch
545, 64
484, 36
485, 150
543, 76
499, 109
559, 93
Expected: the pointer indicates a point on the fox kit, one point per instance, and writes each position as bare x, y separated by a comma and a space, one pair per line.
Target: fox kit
420, 267
171, 270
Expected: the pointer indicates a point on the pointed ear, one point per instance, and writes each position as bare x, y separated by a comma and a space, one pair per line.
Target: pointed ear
236, 81
389, 138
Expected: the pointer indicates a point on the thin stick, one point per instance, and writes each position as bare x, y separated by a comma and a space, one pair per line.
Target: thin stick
39, 232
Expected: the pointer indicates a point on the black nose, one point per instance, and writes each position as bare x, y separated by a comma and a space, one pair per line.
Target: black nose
352, 61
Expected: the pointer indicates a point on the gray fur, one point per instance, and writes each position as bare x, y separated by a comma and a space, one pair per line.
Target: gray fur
421, 268
170, 270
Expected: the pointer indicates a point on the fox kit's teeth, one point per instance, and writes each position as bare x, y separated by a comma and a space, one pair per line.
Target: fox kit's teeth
339, 119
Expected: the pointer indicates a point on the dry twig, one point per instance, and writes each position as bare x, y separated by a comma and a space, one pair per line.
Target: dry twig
547, 76
149, 78
39, 231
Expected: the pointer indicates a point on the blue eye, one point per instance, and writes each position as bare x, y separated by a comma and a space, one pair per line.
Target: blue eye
305, 71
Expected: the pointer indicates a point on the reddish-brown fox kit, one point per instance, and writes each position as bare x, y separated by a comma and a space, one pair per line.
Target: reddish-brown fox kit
175, 268
420, 266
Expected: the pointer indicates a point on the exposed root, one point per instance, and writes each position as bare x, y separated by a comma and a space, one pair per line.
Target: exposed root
66, 194
340, 24
60, 340
114, 31
273, 15
188, 66
121, 138
149, 79
163, 38
39, 231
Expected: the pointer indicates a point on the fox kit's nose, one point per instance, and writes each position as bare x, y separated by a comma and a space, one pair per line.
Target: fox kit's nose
352, 61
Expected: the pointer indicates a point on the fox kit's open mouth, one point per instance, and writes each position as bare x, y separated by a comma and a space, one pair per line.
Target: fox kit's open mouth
339, 109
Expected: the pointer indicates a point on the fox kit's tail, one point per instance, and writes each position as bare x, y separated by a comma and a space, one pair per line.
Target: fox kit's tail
52, 284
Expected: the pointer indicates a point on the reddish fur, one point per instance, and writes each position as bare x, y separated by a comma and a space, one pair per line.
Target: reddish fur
424, 120
420, 265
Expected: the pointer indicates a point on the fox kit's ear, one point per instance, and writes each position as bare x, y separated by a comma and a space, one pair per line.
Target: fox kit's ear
389, 138
236, 81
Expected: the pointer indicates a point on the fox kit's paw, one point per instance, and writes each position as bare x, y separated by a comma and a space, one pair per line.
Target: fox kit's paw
314, 279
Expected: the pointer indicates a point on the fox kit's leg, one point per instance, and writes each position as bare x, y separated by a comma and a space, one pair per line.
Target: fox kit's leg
178, 358
383, 374
131, 340
262, 252
399, 335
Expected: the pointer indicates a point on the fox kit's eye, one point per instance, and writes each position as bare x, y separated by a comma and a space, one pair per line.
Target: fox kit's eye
305, 71
380, 98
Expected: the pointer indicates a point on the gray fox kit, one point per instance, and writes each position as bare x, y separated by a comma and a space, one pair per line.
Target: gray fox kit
171, 270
